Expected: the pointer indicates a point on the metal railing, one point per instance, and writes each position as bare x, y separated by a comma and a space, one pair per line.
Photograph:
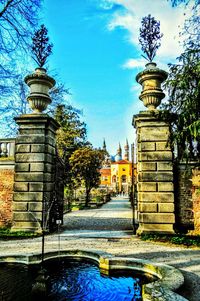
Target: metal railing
7, 147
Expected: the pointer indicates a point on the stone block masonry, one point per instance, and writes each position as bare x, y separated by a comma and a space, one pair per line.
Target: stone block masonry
34, 180
154, 175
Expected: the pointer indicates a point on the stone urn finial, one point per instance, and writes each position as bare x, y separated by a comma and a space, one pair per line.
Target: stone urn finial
39, 83
151, 79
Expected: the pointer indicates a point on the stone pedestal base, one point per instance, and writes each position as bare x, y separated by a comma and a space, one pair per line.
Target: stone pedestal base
154, 175
34, 172
155, 228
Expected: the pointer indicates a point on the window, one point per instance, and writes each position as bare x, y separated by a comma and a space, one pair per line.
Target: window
114, 179
123, 178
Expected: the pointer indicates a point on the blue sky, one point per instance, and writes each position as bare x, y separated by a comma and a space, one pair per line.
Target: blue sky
96, 54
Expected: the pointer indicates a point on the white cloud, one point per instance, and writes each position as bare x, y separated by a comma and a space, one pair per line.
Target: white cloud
171, 20
134, 63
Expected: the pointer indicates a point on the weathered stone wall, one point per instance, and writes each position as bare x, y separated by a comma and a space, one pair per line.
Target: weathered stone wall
183, 195
155, 175
6, 194
187, 197
196, 212
196, 200
34, 172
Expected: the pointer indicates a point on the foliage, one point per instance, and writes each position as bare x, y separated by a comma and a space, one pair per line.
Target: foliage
59, 95
177, 2
6, 233
72, 132
183, 106
184, 93
178, 239
191, 25
70, 136
16, 104
150, 37
18, 20
85, 165
41, 48
7, 158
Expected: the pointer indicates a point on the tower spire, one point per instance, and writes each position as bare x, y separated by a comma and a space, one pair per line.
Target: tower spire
104, 145
119, 151
126, 148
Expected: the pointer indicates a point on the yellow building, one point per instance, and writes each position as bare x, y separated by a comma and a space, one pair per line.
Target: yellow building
121, 176
105, 176
116, 172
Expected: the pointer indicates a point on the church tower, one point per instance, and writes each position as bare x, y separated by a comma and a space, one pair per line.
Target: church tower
119, 151
126, 148
104, 145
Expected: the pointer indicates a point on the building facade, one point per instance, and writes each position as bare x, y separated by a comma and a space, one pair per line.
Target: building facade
117, 171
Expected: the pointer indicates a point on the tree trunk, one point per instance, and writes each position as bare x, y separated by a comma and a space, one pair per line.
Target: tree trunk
87, 198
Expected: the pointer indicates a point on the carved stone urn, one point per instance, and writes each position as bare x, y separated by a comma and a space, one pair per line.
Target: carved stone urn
151, 79
40, 84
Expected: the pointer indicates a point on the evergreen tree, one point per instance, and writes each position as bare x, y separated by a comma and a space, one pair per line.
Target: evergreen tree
183, 84
70, 136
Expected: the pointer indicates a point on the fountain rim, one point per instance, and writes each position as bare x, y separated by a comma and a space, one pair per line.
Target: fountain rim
169, 278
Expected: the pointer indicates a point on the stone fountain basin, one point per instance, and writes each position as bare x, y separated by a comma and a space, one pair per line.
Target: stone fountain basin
168, 279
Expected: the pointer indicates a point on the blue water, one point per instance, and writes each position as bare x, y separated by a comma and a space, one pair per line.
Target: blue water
67, 281
82, 281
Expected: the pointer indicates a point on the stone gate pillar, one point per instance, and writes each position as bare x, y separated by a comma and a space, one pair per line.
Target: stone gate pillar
34, 159
154, 158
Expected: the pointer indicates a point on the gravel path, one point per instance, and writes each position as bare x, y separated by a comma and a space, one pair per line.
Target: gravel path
116, 215
110, 232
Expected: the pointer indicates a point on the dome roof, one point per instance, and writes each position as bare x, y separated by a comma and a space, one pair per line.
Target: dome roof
112, 158
118, 158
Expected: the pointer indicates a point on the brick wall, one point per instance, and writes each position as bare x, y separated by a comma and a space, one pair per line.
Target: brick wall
187, 197
6, 196
196, 200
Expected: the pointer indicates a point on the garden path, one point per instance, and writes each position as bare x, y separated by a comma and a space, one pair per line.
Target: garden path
113, 219
187, 259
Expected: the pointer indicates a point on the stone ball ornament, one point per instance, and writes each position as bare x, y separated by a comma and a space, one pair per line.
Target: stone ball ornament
40, 83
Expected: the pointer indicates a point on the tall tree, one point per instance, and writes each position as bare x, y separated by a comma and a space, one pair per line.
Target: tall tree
72, 132
183, 106
70, 136
85, 165
18, 20
16, 104
13, 106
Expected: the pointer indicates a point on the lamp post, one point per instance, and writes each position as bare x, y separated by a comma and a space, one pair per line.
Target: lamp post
133, 188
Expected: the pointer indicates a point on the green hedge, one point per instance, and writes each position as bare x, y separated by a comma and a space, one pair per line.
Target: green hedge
178, 239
